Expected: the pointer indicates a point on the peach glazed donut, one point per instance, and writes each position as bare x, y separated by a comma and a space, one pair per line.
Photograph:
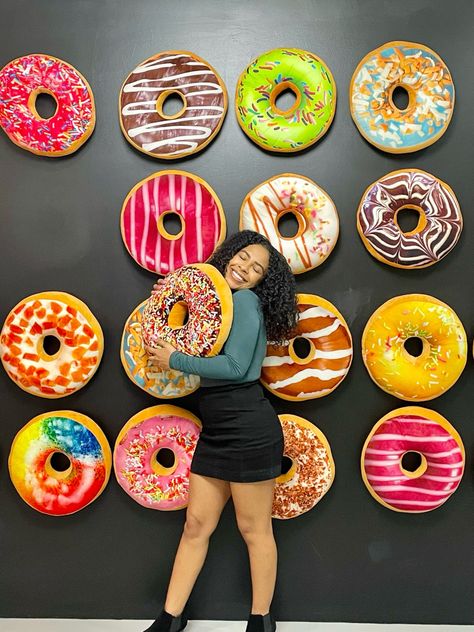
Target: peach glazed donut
290, 194
22, 344
21, 81
35, 474
311, 472
438, 469
184, 197
441, 360
153, 454
199, 294
326, 360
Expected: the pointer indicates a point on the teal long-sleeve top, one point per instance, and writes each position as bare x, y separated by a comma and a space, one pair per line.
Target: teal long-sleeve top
244, 350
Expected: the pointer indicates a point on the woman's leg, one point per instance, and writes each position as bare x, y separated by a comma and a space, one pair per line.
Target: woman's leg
207, 498
253, 508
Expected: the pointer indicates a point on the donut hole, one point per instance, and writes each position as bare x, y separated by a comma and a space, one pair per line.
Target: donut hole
302, 347
413, 464
288, 469
290, 224
171, 104
170, 225
410, 220
51, 345
58, 465
285, 98
414, 346
179, 315
286, 464
400, 98
163, 461
44, 105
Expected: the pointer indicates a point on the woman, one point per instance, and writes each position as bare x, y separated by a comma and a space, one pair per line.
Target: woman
240, 448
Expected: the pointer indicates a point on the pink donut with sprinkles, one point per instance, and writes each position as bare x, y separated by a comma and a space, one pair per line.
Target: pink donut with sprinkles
153, 454
21, 81
426, 483
187, 198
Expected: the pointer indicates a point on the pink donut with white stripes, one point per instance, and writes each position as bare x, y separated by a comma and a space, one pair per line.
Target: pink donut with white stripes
190, 200
420, 432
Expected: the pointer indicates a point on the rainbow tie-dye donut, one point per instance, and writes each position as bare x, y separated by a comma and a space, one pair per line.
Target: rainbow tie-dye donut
423, 75
141, 456
44, 486
265, 78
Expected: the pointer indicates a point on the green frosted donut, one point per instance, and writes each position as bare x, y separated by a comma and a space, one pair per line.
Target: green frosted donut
269, 75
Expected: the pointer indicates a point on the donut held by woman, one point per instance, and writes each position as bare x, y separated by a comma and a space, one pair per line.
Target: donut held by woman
171, 194
153, 454
31, 325
439, 219
265, 78
437, 471
35, 474
408, 376
192, 311
326, 358
172, 73
311, 468
421, 73
136, 363
21, 81
291, 194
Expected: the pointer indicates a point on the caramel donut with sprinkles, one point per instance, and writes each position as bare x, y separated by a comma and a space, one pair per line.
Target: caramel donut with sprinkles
22, 350
311, 472
327, 363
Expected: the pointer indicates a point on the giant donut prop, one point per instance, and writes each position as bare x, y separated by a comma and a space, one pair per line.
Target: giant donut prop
164, 384
441, 335
436, 474
184, 197
27, 328
153, 455
21, 81
35, 474
423, 75
192, 310
439, 219
144, 92
311, 468
324, 363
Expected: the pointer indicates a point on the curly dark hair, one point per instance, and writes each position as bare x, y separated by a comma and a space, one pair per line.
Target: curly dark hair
277, 289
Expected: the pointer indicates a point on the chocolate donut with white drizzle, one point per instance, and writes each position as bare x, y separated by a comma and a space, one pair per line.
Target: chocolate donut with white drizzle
144, 91
439, 225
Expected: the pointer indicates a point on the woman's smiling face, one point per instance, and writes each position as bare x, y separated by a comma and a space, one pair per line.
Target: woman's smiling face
247, 267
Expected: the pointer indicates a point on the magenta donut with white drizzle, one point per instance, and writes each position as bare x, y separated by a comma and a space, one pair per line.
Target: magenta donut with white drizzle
439, 225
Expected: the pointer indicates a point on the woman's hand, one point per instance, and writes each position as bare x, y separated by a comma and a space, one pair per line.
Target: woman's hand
160, 356
157, 286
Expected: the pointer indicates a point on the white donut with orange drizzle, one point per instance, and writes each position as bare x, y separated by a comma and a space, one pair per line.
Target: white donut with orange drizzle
318, 221
440, 450
311, 472
22, 339
327, 362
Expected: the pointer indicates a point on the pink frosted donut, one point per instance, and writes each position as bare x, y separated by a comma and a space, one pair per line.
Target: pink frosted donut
21, 81
412, 429
139, 455
191, 200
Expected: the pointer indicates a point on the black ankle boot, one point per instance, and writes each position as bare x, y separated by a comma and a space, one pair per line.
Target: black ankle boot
167, 623
261, 623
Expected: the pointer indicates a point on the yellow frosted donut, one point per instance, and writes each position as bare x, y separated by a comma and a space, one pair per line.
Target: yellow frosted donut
442, 337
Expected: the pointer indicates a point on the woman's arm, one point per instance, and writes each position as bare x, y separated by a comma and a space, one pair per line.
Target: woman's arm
237, 354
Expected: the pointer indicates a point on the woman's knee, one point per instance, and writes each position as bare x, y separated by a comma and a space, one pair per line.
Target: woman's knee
198, 526
252, 530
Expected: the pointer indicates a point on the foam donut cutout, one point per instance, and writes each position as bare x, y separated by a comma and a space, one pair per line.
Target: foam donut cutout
153, 454
164, 384
204, 105
432, 479
40, 483
190, 200
311, 468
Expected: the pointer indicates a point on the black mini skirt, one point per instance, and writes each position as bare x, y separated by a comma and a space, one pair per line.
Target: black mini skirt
241, 439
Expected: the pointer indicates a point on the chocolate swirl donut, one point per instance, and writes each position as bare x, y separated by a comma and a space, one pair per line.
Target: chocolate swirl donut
145, 90
439, 225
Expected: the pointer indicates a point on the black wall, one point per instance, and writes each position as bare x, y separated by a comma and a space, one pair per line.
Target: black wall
349, 559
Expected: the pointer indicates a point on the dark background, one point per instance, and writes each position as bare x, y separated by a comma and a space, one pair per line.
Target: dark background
349, 559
